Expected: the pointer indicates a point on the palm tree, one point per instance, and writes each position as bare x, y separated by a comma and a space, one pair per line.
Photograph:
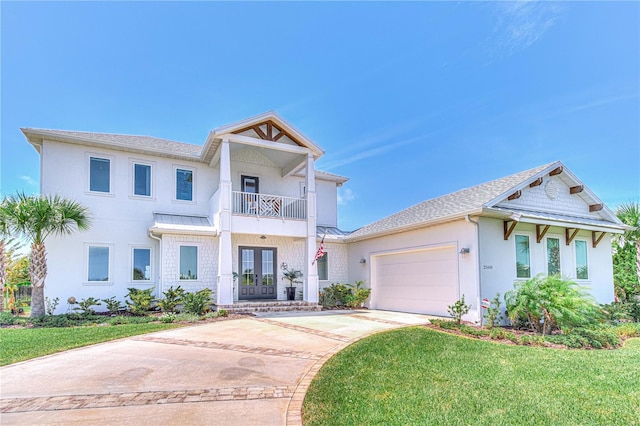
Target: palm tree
35, 218
4, 234
629, 214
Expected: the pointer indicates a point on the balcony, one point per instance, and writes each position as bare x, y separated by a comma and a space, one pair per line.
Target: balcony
273, 206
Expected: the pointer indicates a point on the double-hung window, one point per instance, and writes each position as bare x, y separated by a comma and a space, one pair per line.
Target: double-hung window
582, 266
142, 180
184, 184
523, 257
99, 174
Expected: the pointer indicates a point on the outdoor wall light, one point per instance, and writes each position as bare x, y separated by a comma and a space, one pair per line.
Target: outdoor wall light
263, 237
464, 251
363, 260
284, 266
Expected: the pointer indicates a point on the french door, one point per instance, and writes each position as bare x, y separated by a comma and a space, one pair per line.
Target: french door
257, 273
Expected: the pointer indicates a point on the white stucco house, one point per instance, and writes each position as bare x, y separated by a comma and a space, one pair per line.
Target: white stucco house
228, 214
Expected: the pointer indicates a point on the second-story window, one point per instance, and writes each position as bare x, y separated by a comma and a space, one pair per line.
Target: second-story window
184, 184
142, 180
99, 174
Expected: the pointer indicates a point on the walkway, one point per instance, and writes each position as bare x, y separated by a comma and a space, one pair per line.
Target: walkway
251, 371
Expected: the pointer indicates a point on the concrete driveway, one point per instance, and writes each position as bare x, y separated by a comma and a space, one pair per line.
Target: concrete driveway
250, 371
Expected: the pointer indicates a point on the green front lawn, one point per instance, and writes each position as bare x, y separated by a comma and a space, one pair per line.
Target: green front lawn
25, 343
420, 376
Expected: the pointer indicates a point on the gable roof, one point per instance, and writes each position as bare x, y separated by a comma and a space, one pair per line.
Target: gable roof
476, 200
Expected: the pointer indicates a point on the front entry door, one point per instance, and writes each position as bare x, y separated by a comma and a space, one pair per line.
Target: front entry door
257, 273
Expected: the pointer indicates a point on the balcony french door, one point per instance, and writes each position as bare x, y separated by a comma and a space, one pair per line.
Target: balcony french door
257, 273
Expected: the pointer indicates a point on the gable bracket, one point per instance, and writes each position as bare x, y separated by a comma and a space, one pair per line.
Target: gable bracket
576, 189
569, 236
556, 171
508, 229
515, 195
259, 132
535, 183
595, 207
596, 240
541, 232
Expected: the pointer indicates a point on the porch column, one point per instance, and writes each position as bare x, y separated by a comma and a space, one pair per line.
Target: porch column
311, 270
224, 293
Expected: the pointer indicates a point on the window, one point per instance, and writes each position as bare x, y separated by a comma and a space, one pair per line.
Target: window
99, 174
184, 184
188, 262
142, 180
553, 256
523, 257
98, 269
323, 267
141, 264
582, 267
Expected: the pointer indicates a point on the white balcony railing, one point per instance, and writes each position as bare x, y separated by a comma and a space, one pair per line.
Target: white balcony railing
264, 205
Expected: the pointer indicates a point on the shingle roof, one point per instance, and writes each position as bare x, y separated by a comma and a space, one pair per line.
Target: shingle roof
143, 143
456, 204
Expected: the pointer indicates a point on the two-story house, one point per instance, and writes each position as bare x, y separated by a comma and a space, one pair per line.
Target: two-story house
226, 215
231, 214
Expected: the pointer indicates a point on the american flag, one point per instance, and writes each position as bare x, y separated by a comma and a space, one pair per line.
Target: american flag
320, 251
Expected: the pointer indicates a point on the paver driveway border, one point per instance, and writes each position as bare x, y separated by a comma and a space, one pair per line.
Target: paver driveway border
273, 361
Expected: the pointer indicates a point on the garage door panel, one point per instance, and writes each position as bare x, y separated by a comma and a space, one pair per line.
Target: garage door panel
423, 281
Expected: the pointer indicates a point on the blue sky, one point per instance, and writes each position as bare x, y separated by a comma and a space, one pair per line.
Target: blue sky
410, 100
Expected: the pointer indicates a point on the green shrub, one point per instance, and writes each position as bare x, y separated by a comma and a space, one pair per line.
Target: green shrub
630, 329
550, 302
574, 341
85, 305
446, 324
197, 303
7, 318
168, 317
532, 340
113, 305
185, 317
140, 301
492, 313
51, 305
615, 312
458, 310
596, 338
359, 295
172, 298
222, 313
473, 331
633, 308
122, 319
499, 333
339, 295
67, 320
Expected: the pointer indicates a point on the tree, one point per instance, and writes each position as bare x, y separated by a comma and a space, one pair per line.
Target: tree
35, 218
626, 258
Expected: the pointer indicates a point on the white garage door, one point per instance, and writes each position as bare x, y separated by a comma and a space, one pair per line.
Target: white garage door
424, 281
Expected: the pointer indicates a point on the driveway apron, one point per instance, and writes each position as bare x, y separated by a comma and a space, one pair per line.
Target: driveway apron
250, 371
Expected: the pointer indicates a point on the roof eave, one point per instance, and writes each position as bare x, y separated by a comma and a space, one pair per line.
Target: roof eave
35, 136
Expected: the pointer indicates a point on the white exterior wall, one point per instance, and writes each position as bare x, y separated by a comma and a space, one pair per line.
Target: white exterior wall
207, 263
338, 267
498, 259
327, 201
119, 219
460, 234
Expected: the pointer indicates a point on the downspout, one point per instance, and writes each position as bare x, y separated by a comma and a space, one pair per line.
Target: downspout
159, 261
477, 224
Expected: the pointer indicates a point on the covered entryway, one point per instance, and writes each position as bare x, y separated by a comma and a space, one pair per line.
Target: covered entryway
257, 277
421, 280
